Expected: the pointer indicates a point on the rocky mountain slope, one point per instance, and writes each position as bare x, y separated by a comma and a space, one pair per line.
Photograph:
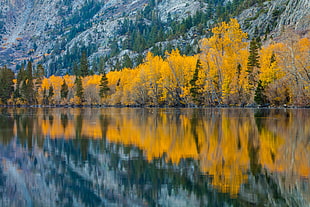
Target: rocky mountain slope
56, 32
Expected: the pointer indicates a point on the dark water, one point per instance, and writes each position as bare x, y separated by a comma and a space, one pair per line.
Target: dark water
154, 157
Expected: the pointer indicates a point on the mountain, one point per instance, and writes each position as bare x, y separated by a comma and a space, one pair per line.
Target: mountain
118, 33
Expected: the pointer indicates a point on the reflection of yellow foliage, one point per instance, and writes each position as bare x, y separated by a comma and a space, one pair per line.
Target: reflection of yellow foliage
220, 141
225, 153
270, 145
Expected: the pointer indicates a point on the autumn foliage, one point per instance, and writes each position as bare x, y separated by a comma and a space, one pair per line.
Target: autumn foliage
223, 73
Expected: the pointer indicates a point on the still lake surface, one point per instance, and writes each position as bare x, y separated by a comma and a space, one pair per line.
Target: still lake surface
154, 157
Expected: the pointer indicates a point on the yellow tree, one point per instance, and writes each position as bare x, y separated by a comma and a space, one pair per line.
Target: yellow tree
42, 91
121, 85
152, 68
114, 79
272, 80
296, 63
176, 77
224, 57
55, 82
70, 82
137, 89
91, 89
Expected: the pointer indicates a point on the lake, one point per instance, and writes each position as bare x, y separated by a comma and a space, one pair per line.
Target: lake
154, 157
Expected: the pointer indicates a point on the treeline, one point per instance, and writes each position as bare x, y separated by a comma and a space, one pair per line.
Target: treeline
229, 71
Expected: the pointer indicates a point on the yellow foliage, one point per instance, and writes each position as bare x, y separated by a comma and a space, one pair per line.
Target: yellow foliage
224, 58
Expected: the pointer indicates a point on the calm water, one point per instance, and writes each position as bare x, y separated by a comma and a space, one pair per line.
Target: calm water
154, 157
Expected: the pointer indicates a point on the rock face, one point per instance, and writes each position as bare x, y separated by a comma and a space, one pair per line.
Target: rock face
275, 16
47, 31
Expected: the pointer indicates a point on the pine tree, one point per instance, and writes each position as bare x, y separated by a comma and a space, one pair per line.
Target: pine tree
50, 92
76, 70
103, 86
29, 70
39, 74
253, 59
27, 88
127, 62
20, 77
101, 65
79, 91
45, 99
260, 97
253, 64
84, 69
194, 90
6, 83
117, 66
40, 71
64, 90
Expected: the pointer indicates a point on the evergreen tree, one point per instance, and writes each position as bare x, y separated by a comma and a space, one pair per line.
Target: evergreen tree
79, 91
253, 59
45, 99
194, 90
6, 83
29, 70
253, 63
104, 89
101, 65
127, 62
114, 48
64, 90
27, 88
76, 70
84, 69
260, 97
20, 78
40, 71
39, 74
50, 92
139, 59
118, 65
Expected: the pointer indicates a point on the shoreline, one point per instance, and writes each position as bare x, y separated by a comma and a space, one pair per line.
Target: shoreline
151, 106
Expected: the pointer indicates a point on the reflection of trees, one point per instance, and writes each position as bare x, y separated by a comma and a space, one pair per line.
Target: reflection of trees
2, 181
25, 125
66, 159
6, 126
233, 150
64, 120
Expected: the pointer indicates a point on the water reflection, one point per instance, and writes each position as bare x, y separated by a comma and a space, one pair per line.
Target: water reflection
145, 157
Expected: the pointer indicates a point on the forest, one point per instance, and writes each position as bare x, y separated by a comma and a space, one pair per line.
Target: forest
230, 70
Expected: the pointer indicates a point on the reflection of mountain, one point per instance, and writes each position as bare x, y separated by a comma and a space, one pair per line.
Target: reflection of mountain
155, 156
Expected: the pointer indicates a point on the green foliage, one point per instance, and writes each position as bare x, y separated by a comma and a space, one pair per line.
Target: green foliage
84, 69
76, 70
50, 91
101, 65
260, 97
27, 91
104, 89
6, 82
253, 59
39, 71
79, 91
127, 62
194, 90
64, 90
117, 65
